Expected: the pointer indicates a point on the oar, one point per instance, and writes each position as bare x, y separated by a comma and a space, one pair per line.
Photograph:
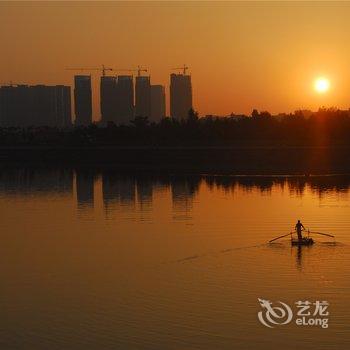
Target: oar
275, 239
323, 234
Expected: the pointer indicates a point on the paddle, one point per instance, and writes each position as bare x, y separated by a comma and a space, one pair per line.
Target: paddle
275, 239
323, 234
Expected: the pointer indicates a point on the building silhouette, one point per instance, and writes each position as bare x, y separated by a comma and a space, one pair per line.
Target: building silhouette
157, 103
125, 105
63, 114
38, 105
180, 95
82, 100
13, 103
108, 99
143, 97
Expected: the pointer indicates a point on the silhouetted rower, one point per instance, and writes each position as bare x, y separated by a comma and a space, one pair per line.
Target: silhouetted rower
299, 226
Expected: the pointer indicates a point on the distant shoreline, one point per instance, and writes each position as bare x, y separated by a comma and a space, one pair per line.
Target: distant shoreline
211, 160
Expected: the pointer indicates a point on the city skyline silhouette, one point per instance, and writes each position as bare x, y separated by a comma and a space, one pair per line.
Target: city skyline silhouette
241, 55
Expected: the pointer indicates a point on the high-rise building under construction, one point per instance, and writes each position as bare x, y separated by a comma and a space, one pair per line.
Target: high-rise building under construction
37, 105
108, 99
82, 100
143, 96
157, 103
180, 95
125, 99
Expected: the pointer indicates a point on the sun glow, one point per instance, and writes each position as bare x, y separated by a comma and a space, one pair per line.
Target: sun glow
321, 85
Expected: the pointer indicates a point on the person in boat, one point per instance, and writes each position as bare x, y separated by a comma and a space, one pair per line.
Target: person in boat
299, 226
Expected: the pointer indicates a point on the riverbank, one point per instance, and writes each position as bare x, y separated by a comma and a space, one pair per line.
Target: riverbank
234, 160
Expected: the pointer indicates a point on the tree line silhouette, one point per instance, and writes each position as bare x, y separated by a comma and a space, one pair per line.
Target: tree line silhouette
326, 127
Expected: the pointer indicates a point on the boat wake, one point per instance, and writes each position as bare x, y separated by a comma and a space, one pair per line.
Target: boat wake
223, 251
281, 244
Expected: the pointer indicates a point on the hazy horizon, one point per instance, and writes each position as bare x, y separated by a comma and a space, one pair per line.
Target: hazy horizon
242, 55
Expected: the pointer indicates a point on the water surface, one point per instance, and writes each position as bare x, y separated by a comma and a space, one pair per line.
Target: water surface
98, 259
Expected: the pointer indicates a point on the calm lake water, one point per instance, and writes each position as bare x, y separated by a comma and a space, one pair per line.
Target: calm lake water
103, 260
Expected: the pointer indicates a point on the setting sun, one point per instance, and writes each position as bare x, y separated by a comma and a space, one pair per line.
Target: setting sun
321, 85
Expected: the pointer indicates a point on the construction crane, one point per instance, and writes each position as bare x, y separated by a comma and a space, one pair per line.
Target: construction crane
138, 70
103, 69
11, 83
184, 68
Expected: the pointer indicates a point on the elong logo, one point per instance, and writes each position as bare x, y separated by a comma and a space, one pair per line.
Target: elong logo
274, 315
282, 313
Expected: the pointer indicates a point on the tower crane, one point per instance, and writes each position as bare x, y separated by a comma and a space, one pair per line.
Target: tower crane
103, 69
184, 68
138, 70
11, 83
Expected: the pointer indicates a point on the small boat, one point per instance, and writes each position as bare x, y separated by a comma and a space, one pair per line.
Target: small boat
304, 241
307, 240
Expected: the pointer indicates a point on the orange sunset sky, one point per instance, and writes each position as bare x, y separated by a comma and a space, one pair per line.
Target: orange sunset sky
242, 55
